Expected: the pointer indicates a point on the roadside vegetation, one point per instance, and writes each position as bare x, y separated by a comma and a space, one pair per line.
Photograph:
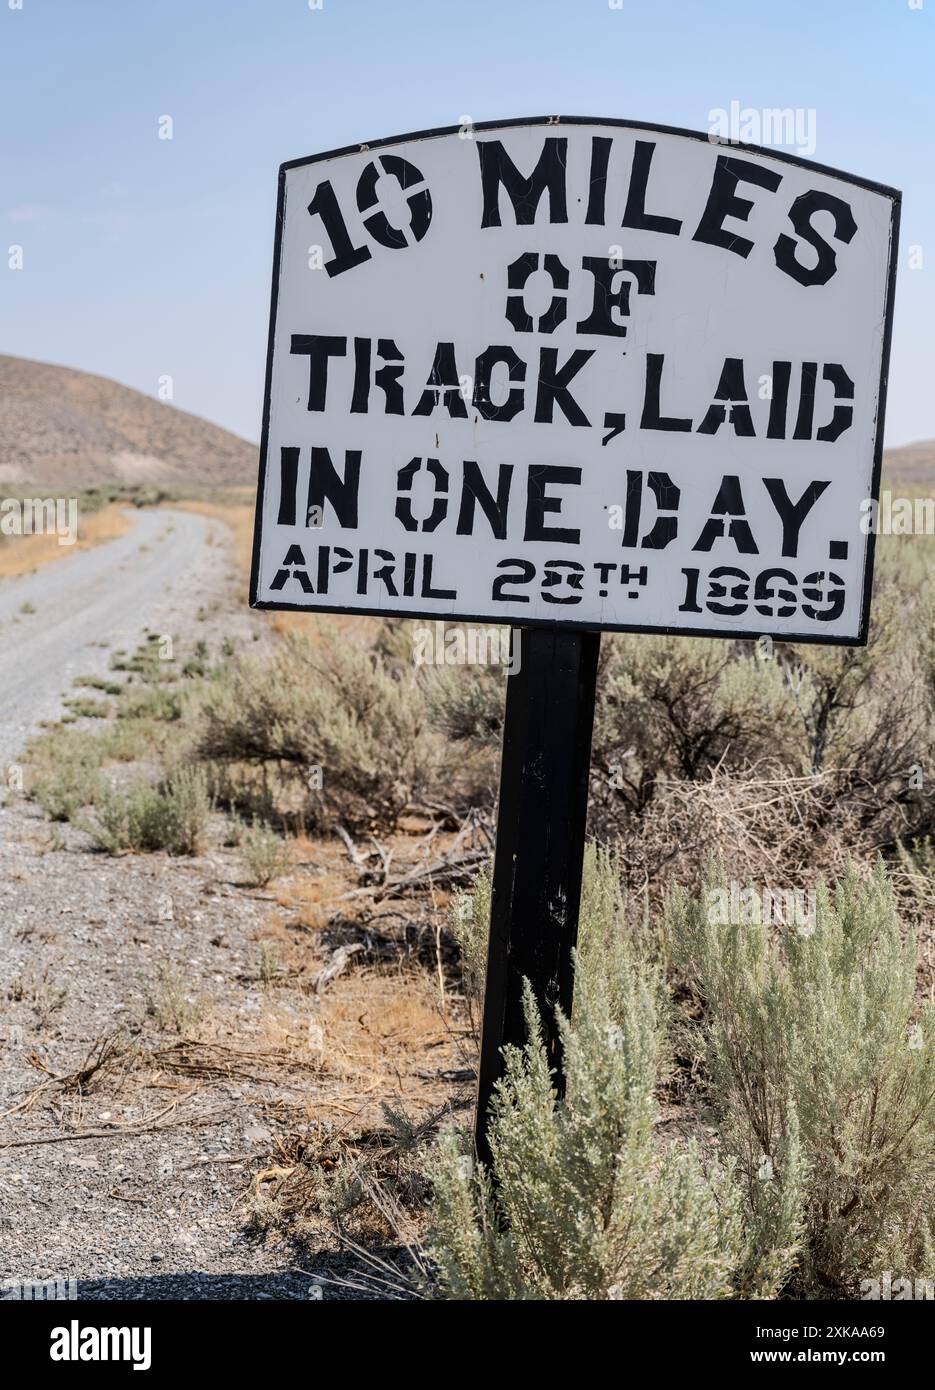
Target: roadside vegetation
99, 517
814, 1169
751, 1103
102, 515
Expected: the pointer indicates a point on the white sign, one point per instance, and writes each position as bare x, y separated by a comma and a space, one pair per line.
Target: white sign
576, 372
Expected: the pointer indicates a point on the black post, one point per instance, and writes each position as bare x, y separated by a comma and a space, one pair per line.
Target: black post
540, 844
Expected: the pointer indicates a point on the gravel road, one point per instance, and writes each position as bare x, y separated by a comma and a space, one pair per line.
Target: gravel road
107, 1213
64, 619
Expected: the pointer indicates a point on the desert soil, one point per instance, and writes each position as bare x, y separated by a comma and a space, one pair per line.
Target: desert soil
135, 1181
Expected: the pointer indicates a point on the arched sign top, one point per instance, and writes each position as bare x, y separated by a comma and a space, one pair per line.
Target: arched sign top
576, 372
649, 127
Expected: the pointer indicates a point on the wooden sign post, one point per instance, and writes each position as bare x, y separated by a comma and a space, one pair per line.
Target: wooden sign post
541, 821
572, 375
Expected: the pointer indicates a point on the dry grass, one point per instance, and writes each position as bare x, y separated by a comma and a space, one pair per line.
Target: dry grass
318, 877
390, 1030
313, 901
392, 1025
765, 825
382, 1039
337, 890
23, 554
381, 1033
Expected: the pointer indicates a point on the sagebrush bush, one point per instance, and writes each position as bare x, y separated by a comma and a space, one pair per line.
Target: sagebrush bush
467, 703
68, 777
603, 928
330, 707
812, 1041
171, 815
588, 1205
679, 706
153, 702
266, 853
819, 1081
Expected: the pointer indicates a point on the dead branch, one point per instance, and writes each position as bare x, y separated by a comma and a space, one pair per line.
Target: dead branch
101, 1055
442, 872
336, 965
150, 1126
353, 853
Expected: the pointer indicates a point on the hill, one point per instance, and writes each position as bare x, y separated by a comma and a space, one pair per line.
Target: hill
913, 464
63, 427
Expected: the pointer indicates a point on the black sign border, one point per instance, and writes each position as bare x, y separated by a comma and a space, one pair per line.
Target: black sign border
747, 634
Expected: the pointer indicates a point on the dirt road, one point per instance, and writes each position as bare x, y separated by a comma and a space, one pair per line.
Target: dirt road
128, 1186
64, 620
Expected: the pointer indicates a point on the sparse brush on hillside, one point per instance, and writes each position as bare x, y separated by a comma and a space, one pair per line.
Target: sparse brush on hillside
58, 423
332, 718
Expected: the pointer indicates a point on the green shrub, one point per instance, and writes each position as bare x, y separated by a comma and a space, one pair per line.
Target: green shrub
154, 702
592, 1159
130, 740
587, 1204
170, 1003
83, 707
171, 815
820, 1084
100, 683
147, 661
266, 853
467, 702
333, 710
470, 925
679, 706
812, 1043
917, 858
67, 776
197, 663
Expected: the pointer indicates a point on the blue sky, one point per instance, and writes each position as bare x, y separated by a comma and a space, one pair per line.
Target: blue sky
145, 257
